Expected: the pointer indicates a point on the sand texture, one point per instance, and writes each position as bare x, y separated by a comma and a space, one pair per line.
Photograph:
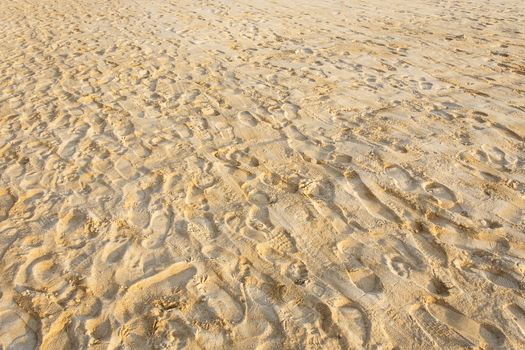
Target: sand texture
262, 174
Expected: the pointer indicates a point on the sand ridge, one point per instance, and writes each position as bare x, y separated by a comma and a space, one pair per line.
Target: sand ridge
262, 174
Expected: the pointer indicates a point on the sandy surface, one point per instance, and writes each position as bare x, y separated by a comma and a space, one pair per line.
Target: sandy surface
262, 174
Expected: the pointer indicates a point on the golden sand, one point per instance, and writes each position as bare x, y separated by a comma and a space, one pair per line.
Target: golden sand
262, 174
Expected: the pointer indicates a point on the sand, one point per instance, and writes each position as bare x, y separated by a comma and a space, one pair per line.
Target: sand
262, 174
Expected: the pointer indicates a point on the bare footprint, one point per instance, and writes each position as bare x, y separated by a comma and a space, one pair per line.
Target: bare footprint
220, 301
401, 177
295, 270
499, 158
366, 280
290, 111
354, 321
362, 276
398, 266
443, 194
158, 228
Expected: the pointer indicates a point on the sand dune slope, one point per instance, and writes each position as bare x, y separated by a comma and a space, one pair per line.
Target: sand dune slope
262, 174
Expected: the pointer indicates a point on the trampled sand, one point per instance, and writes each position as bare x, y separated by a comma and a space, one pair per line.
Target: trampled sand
262, 174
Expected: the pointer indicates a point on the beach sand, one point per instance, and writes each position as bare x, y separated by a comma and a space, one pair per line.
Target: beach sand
262, 174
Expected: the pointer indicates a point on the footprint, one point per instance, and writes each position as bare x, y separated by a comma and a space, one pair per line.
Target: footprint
443, 336
72, 229
140, 294
306, 148
27, 203
443, 194
512, 212
48, 275
296, 271
221, 302
290, 111
362, 276
398, 266
371, 203
425, 85
438, 287
101, 281
235, 224
136, 203
427, 244
18, 331
401, 177
7, 200
125, 169
98, 329
40, 271
158, 228
137, 147
260, 319
278, 247
503, 279
366, 280
351, 319
455, 319
317, 339
122, 127
517, 314
247, 118
277, 118
61, 334
476, 161
113, 252
322, 189
183, 131
332, 213
492, 335
465, 326
203, 227
68, 148
498, 157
